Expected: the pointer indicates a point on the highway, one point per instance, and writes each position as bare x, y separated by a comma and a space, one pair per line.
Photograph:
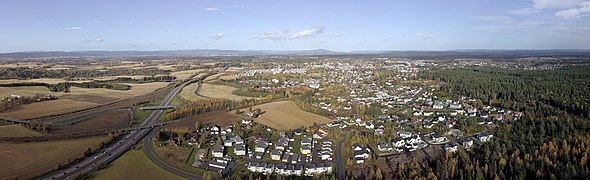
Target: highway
110, 153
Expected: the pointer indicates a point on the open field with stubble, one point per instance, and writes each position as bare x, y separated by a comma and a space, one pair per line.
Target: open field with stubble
32, 159
17, 130
284, 115
134, 164
188, 92
182, 75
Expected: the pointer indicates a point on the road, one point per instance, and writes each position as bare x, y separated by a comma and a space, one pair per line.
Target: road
341, 175
110, 153
198, 89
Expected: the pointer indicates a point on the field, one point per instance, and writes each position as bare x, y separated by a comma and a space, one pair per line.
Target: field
188, 92
221, 118
24, 161
42, 80
134, 164
77, 99
182, 75
284, 115
220, 91
16, 130
111, 120
213, 77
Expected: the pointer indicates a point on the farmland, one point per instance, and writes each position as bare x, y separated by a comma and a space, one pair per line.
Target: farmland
182, 75
31, 159
77, 99
221, 118
134, 164
284, 115
16, 130
220, 91
112, 120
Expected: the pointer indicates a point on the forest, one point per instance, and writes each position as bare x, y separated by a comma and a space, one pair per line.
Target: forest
550, 142
34, 73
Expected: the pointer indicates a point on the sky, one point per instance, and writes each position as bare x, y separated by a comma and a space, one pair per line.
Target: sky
338, 25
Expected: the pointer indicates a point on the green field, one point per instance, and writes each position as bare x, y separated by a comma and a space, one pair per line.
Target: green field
136, 165
17, 130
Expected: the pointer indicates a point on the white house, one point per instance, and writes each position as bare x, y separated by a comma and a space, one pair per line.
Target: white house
484, 137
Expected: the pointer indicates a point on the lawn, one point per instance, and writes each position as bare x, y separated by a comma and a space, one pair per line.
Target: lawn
17, 130
284, 115
134, 164
24, 161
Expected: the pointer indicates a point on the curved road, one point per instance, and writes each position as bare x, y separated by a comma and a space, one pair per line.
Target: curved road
108, 154
198, 89
150, 152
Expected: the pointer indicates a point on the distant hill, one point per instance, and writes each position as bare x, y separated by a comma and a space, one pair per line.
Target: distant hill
220, 52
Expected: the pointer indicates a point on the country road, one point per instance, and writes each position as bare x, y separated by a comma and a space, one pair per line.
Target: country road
110, 153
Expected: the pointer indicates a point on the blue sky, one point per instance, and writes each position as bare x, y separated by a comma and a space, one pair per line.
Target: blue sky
68, 25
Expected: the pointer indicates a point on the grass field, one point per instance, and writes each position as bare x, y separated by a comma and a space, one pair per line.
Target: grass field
220, 91
136, 165
24, 161
110, 120
284, 115
16, 130
221, 118
188, 92
213, 77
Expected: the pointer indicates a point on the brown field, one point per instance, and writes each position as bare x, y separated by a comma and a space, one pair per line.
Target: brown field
188, 92
77, 99
221, 118
228, 77
26, 91
284, 115
17, 130
46, 108
134, 164
24, 161
112, 120
220, 91
182, 75
42, 80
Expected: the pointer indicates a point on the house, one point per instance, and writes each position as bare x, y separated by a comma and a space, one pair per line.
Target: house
398, 143
240, 149
285, 157
437, 139
217, 166
281, 143
384, 146
227, 141
361, 153
305, 149
275, 154
260, 146
484, 137
450, 148
317, 168
466, 143
218, 151
238, 140
294, 158
404, 134
306, 141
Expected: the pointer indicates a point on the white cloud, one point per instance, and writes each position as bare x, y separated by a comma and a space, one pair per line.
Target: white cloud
578, 11
99, 39
97, 22
277, 35
308, 32
84, 40
212, 9
74, 28
524, 11
424, 36
338, 35
217, 36
557, 4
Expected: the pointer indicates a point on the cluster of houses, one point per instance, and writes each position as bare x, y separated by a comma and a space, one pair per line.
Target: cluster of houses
467, 142
310, 169
409, 141
361, 153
